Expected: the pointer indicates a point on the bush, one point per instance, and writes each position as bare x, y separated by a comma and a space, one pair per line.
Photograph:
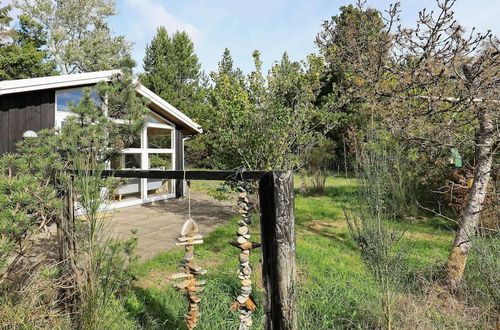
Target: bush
320, 157
481, 275
370, 225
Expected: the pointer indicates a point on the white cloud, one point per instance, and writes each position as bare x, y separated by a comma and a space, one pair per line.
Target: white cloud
152, 14
141, 27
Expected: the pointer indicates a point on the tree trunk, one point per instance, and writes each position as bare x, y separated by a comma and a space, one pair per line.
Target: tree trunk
485, 138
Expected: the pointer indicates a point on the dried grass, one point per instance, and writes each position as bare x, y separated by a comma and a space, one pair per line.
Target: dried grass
436, 308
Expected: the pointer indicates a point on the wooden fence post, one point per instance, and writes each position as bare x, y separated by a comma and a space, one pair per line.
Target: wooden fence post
66, 232
278, 249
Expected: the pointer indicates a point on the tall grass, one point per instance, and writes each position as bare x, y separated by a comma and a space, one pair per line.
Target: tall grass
103, 263
371, 223
335, 288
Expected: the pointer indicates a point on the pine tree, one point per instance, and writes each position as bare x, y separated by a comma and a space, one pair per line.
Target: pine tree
21, 54
172, 71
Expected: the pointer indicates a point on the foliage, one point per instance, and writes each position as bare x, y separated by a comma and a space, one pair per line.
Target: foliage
103, 262
34, 305
335, 290
261, 122
90, 137
28, 201
99, 265
320, 164
337, 93
432, 86
5, 20
21, 54
172, 71
79, 38
481, 280
370, 227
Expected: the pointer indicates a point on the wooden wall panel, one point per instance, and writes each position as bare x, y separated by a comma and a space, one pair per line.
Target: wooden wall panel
47, 109
24, 111
13, 120
4, 125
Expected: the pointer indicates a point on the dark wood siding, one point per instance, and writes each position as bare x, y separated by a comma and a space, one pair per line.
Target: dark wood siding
24, 111
179, 162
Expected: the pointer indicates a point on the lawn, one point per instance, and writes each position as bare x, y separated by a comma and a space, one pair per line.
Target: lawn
334, 289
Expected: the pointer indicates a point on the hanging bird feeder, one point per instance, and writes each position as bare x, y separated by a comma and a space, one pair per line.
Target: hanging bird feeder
454, 160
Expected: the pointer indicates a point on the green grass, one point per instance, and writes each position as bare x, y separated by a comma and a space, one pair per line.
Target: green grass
334, 289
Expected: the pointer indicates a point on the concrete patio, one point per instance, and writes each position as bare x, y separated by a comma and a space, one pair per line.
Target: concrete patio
159, 224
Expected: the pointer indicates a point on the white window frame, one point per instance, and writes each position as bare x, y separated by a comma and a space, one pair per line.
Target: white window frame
145, 152
60, 116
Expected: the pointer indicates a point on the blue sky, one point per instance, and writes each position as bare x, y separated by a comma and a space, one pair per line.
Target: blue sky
272, 26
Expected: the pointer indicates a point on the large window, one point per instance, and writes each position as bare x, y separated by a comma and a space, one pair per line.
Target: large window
153, 149
65, 98
70, 97
159, 138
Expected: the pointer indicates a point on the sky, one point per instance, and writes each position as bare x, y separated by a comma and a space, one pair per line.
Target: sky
272, 26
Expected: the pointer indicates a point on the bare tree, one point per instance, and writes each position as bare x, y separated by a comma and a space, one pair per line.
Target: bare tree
433, 83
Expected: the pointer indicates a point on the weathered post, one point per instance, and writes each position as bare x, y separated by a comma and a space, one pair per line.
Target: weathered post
65, 228
278, 249
66, 239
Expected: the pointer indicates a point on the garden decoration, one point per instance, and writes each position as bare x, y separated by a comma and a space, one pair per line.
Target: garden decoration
244, 302
454, 159
188, 238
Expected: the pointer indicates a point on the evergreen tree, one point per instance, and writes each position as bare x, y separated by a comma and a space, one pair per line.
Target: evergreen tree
226, 66
21, 54
172, 71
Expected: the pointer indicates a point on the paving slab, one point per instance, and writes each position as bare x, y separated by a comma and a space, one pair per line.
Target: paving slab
158, 224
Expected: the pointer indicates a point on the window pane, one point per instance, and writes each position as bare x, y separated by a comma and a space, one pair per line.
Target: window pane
159, 138
159, 187
132, 161
135, 143
160, 161
154, 118
73, 97
126, 161
129, 190
116, 162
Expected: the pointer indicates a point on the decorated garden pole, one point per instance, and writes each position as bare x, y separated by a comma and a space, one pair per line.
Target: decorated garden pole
190, 271
244, 302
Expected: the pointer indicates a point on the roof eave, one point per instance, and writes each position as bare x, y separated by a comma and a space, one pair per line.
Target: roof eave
90, 78
170, 109
54, 82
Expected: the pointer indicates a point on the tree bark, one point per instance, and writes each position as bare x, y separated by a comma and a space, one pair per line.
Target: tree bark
484, 140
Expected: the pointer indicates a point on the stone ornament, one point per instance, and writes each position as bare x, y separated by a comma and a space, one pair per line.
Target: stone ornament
190, 271
244, 302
